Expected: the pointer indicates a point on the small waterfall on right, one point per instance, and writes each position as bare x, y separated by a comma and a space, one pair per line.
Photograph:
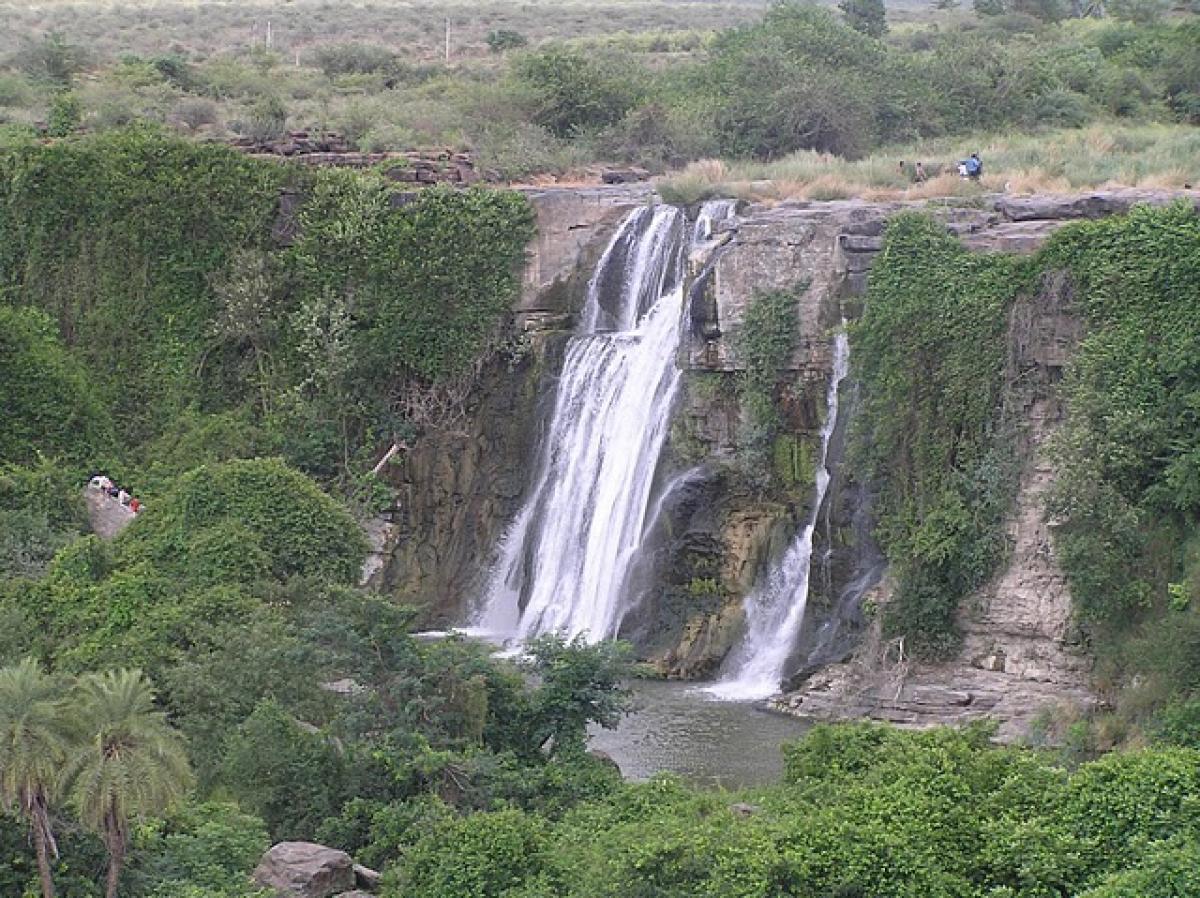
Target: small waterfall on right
775, 608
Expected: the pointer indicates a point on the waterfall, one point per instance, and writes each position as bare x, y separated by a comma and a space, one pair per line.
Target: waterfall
564, 562
775, 608
710, 215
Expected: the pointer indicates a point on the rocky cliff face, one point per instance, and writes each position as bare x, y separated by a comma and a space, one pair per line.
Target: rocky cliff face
458, 487
1019, 657
721, 544
719, 529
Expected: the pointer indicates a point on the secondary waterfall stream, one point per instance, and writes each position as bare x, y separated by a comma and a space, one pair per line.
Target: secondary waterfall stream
775, 608
565, 562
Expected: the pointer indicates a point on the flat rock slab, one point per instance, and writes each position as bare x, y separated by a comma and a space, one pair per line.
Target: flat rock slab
1097, 204
305, 870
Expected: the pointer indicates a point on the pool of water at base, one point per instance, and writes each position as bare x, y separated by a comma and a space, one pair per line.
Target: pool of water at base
677, 727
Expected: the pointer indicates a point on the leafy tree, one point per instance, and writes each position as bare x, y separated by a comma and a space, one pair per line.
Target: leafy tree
866, 16
492, 854
211, 847
286, 771
578, 684
354, 59
53, 59
65, 114
576, 91
34, 740
1141, 12
243, 516
41, 510
127, 761
267, 119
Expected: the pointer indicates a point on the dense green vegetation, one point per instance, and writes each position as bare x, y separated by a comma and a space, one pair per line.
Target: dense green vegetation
216, 332
240, 341
932, 352
801, 77
1128, 494
765, 343
188, 332
864, 811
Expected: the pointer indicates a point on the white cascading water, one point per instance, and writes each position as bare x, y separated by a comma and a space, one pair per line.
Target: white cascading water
775, 608
564, 563
711, 214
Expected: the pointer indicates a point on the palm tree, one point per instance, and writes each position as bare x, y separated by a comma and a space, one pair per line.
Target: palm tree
127, 761
34, 740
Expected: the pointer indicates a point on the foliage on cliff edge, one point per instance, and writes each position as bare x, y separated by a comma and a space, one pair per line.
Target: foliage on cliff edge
162, 262
930, 351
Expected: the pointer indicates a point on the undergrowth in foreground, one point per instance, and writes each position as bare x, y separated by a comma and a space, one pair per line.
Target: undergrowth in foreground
864, 811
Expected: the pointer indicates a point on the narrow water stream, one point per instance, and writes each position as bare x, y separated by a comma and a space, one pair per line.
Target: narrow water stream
679, 728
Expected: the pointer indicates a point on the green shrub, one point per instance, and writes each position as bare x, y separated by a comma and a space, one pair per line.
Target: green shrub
52, 59
502, 39
290, 776
577, 91
50, 406
1125, 801
41, 510
481, 856
354, 59
1169, 869
247, 517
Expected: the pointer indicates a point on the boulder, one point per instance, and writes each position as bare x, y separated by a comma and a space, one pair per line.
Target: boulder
624, 175
305, 870
605, 758
366, 878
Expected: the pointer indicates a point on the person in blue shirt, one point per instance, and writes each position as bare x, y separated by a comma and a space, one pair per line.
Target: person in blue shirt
974, 167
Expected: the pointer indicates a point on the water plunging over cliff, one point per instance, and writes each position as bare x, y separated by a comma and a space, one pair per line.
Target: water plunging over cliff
711, 214
565, 561
775, 608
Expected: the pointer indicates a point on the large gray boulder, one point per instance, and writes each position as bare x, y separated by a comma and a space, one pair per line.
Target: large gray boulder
305, 870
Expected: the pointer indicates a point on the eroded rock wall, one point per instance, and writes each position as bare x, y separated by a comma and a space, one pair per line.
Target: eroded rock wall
1020, 655
721, 547
458, 487
719, 528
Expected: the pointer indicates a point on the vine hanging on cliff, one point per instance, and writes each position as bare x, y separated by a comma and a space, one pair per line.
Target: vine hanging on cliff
930, 352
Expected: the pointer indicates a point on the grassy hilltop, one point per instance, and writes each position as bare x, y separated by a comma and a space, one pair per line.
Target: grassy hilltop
550, 88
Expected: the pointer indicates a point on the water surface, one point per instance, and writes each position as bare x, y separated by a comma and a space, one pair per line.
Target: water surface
677, 727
